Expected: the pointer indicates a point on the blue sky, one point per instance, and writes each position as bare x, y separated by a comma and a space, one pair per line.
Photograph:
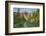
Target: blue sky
29, 10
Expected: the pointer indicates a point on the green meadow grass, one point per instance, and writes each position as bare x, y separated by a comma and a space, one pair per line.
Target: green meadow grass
20, 22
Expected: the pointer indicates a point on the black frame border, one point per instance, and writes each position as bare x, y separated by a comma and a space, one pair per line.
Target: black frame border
6, 17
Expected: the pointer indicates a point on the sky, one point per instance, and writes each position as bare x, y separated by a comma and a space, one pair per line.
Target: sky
29, 10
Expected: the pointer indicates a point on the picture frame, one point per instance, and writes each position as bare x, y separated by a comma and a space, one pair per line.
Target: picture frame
11, 27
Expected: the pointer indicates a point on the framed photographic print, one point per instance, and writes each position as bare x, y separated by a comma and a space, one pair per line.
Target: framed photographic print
24, 17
